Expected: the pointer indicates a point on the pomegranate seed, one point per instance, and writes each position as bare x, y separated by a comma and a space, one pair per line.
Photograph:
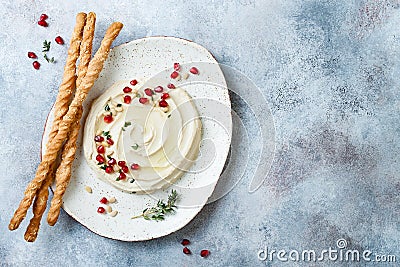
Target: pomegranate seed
100, 158
104, 200
127, 90
194, 70
135, 166
108, 119
121, 163
127, 99
125, 169
36, 65
98, 138
177, 67
165, 96
174, 75
42, 23
112, 161
163, 103
186, 251
159, 89
101, 210
59, 40
109, 169
185, 242
134, 82
101, 149
171, 86
204, 253
143, 100
32, 55
43, 17
148, 92
110, 141
122, 176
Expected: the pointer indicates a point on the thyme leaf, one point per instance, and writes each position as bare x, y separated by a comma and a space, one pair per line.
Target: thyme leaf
46, 46
49, 60
107, 134
135, 146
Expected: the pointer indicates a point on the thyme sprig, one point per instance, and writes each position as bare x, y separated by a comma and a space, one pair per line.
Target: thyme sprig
46, 48
158, 212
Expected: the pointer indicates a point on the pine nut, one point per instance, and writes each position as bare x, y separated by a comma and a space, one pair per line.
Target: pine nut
112, 200
105, 144
108, 209
88, 189
113, 213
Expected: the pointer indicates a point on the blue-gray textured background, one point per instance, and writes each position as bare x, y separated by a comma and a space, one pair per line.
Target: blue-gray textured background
330, 72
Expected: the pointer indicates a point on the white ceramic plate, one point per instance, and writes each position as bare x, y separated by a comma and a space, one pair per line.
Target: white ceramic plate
143, 59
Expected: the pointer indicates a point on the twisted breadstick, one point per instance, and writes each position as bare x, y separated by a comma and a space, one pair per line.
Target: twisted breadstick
68, 84
39, 207
86, 47
95, 66
63, 173
64, 96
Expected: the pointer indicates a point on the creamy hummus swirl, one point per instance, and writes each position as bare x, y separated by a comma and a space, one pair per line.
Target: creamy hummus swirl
156, 144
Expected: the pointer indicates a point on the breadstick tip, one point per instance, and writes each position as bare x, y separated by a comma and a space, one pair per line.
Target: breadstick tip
81, 15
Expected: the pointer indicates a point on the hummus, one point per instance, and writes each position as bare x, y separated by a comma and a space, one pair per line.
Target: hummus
142, 141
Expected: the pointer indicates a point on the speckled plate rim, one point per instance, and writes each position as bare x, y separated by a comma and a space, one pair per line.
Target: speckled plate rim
49, 119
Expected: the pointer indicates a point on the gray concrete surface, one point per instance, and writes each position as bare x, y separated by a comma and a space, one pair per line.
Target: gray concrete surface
330, 73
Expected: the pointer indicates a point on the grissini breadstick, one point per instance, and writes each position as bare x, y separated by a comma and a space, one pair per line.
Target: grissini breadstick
39, 207
86, 47
63, 173
67, 86
95, 66
40, 203
64, 96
